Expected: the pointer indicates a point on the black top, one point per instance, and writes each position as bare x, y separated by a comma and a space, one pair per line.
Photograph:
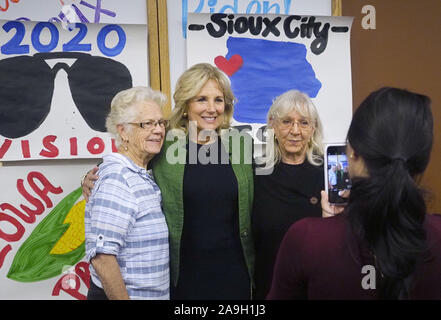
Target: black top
212, 261
290, 193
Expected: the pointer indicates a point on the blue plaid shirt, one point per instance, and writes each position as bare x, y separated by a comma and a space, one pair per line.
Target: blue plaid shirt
124, 218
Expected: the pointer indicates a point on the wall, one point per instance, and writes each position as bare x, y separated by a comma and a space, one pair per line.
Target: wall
403, 51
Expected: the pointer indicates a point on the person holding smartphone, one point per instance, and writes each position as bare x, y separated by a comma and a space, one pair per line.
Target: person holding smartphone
384, 245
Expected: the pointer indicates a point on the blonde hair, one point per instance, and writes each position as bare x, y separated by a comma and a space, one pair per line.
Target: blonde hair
122, 108
299, 102
190, 84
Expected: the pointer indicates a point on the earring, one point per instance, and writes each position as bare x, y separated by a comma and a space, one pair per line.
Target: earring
125, 147
184, 114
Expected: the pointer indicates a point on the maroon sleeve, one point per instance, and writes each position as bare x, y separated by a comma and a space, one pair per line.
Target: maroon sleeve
289, 278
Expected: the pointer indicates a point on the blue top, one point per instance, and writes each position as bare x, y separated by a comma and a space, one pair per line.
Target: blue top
124, 218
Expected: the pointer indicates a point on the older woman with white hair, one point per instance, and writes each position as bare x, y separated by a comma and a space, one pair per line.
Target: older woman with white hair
292, 191
126, 232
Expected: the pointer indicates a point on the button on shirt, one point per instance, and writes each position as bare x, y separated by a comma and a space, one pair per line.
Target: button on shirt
124, 218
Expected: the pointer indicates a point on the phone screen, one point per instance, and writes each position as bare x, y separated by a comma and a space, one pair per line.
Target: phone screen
337, 173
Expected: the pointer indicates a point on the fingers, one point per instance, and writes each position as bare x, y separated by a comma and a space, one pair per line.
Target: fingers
324, 195
91, 175
345, 193
89, 182
86, 190
90, 179
327, 214
85, 196
328, 209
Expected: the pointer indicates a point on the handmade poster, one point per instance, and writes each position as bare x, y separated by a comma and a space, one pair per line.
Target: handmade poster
266, 55
322, 7
85, 11
56, 79
42, 231
178, 12
56, 85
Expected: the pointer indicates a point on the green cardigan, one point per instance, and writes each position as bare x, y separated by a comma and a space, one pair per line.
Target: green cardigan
169, 176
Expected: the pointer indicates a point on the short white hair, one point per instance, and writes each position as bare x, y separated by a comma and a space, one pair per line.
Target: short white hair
122, 107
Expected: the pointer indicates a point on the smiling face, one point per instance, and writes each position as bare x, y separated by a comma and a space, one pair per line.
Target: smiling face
293, 133
207, 107
143, 143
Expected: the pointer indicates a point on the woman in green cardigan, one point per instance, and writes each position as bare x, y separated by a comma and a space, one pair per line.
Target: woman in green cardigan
206, 178
205, 174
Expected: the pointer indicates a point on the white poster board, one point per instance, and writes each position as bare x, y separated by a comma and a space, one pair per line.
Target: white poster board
41, 245
178, 11
41, 241
57, 85
266, 55
85, 11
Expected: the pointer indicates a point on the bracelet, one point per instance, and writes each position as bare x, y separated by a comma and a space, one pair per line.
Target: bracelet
82, 179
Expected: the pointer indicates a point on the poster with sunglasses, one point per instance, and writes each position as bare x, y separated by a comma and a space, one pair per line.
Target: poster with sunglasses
56, 85
269, 54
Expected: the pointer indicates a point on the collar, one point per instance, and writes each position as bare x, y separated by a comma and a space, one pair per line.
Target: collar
126, 162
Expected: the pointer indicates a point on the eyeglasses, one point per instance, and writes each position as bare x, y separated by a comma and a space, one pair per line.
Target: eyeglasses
150, 124
27, 85
303, 124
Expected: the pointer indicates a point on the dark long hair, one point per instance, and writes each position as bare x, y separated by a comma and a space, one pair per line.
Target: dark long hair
392, 131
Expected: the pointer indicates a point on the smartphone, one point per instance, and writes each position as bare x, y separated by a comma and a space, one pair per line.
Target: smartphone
336, 173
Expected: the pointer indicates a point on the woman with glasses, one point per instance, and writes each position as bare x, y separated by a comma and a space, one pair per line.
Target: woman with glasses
126, 232
292, 191
384, 245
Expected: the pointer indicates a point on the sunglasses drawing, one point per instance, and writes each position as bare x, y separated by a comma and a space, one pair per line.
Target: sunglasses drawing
27, 85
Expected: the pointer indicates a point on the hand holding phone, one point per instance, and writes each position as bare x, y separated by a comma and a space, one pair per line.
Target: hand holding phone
337, 180
329, 209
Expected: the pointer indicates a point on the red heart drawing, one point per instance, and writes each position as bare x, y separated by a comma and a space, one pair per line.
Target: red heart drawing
231, 66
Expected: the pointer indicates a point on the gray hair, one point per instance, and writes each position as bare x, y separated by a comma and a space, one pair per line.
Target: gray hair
122, 107
299, 102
